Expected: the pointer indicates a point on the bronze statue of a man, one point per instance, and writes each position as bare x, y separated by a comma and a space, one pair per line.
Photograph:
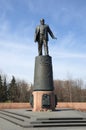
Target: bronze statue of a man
41, 36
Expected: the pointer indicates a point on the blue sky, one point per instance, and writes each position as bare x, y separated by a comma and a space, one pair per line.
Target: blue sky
67, 20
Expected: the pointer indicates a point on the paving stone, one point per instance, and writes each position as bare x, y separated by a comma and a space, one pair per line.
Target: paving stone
22, 119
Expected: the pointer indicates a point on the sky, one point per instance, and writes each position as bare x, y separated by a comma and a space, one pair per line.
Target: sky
67, 20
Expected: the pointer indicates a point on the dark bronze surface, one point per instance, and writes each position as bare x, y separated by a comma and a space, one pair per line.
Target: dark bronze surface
41, 36
43, 75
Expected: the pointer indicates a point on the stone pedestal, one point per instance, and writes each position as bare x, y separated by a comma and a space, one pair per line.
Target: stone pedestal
38, 101
43, 96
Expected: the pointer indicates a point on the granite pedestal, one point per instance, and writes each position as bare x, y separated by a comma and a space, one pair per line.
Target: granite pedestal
43, 95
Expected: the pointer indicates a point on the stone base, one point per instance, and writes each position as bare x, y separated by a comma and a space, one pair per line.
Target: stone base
38, 100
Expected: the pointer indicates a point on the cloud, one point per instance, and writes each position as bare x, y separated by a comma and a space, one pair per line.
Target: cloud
17, 48
71, 55
17, 59
68, 56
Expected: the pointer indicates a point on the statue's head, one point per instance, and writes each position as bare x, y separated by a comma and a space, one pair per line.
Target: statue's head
42, 21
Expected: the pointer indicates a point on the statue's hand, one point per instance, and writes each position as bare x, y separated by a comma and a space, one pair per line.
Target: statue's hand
55, 38
35, 41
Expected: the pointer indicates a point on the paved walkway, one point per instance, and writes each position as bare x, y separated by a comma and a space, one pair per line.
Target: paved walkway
61, 119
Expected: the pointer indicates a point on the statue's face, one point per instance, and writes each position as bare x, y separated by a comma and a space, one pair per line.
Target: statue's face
42, 21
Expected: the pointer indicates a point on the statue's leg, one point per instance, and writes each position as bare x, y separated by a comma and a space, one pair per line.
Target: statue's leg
39, 49
46, 48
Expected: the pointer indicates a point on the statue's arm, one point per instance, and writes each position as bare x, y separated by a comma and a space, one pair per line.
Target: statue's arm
36, 36
51, 33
